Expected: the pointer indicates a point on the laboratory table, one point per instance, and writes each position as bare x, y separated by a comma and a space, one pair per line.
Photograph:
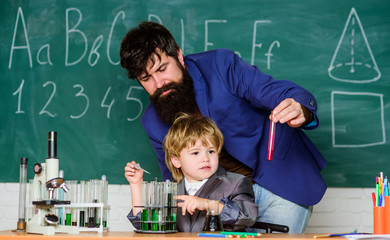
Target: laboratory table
113, 235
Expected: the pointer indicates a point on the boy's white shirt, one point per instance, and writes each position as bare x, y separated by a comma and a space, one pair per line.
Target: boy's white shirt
193, 187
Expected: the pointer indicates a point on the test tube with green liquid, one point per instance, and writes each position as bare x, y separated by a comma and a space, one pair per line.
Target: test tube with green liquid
93, 198
73, 192
87, 199
145, 204
68, 219
174, 206
168, 203
153, 191
161, 223
82, 200
104, 192
68, 197
98, 199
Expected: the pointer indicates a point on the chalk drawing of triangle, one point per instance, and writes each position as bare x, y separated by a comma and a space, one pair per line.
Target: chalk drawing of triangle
353, 60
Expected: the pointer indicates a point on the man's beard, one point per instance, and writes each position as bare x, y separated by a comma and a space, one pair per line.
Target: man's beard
181, 99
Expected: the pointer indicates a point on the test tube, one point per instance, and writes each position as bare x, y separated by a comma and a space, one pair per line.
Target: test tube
94, 192
271, 139
154, 200
91, 210
145, 205
30, 210
174, 205
87, 198
68, 197
82, 200
104, 186
168, 203
151, 205
74, 195
161, 222
98, 199
60, 197
21, 225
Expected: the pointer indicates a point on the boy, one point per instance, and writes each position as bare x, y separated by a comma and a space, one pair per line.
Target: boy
192, 148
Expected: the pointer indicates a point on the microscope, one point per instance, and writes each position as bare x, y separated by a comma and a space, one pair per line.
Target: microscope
46, 180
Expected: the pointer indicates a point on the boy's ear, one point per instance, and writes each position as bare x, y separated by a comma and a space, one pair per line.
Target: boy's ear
176, 162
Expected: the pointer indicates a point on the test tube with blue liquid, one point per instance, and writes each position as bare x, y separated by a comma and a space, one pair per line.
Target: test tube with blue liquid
60, 197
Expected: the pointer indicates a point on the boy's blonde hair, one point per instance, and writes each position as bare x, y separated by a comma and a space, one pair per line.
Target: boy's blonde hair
184, 132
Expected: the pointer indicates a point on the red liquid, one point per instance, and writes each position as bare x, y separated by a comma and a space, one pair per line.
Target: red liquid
271, 141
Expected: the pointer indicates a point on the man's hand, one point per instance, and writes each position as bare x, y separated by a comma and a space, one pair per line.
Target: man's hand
291, 112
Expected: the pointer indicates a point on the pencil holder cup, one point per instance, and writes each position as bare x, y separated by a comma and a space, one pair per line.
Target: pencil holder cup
382, 218
158, 214
379, 220
387, 214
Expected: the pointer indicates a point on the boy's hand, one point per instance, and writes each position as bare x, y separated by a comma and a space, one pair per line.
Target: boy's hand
191, 203
133, 175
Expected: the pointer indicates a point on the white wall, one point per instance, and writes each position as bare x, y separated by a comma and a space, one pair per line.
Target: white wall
341, 209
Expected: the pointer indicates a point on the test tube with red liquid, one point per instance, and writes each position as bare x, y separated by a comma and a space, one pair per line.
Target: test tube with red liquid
271, 139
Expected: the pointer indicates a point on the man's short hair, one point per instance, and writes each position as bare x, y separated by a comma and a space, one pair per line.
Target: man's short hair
140, 45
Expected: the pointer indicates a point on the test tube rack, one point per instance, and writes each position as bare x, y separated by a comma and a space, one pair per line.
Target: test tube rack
158, 207
84, 210
153, 222
101, 207
103, 225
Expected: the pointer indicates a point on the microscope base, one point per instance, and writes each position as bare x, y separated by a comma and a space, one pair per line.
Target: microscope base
51, 230
38, 225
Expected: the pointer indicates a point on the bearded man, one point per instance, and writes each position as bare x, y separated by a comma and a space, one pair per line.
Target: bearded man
242, 101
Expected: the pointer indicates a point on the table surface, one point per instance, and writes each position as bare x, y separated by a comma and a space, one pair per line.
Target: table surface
144, 236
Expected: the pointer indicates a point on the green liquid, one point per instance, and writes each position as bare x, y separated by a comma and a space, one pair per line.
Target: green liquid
68, 220
154, 218
145, 217
163, 227
174, 219
169, 211
161, 224
82, 214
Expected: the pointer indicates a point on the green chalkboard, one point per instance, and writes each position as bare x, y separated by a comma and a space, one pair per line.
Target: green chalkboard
59, 65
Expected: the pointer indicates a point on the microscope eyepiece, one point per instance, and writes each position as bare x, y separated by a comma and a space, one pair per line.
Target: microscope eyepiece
52, 153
